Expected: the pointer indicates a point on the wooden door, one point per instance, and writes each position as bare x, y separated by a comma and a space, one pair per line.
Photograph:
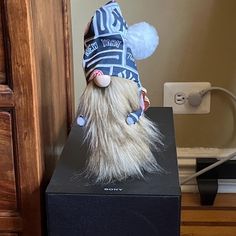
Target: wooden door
36, 107
9, 204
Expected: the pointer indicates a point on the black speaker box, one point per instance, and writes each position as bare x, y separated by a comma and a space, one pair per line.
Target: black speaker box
135, 207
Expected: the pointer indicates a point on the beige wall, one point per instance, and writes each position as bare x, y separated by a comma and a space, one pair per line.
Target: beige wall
197, 43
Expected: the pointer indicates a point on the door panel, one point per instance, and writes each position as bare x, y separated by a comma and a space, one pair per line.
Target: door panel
8, 200
2, 57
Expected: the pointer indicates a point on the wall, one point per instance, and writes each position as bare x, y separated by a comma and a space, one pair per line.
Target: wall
197, 43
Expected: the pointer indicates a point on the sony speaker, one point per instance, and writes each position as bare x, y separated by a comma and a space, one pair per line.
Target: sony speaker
139, 207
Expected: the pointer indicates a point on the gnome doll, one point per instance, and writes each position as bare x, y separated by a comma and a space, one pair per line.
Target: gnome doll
111, 109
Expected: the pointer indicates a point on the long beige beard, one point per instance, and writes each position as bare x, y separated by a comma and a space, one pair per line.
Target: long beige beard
117, 150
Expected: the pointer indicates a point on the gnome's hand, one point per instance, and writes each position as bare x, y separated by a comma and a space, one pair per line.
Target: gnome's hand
146, 101
102, 80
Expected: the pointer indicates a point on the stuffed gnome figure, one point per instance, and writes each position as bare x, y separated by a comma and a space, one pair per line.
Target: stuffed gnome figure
111, 109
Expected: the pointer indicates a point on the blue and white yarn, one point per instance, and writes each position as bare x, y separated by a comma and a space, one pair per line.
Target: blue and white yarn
105, 47
106, 51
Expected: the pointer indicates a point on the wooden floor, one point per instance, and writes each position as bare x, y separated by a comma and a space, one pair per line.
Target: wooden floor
217, 220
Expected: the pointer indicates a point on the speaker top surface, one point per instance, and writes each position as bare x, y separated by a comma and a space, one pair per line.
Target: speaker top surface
68, 177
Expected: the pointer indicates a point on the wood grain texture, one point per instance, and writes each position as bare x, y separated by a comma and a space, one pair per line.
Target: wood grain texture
6, 96
11, 224
67, 27
52, 67
8, 199
208, 216
222, 201
208, 231
9, 234
29, 168
2, 55
38, 92
216, 220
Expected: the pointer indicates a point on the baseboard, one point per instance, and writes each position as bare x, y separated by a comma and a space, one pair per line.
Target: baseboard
187, 162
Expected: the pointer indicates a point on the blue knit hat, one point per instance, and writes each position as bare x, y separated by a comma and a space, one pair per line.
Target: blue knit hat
107, 51
105, 48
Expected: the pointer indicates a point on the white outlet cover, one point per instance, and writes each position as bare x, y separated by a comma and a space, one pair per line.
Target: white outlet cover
172, 88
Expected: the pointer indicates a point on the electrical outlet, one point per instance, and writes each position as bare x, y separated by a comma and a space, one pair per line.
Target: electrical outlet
176, 96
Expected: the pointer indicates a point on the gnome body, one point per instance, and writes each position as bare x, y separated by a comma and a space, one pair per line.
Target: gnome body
111, 109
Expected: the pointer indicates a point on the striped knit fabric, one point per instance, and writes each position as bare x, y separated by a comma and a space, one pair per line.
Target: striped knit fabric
105, 49
106, 52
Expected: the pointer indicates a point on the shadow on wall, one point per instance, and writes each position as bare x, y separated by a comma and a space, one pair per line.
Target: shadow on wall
214, 62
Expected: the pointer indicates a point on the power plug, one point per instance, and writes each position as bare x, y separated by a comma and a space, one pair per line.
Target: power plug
183, 97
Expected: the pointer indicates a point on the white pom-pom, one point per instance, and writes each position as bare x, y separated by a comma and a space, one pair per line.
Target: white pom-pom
143, 40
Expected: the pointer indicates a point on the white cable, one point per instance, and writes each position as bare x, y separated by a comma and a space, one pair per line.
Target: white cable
205, 91
195, 100
208, 168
